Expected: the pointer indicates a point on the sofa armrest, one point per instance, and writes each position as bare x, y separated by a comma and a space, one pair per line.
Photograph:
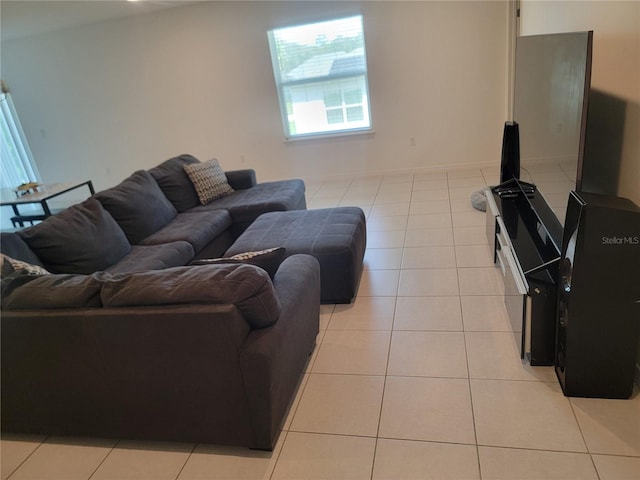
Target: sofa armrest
241, 179
273, 359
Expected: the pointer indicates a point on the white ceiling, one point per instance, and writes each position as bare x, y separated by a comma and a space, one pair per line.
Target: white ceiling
22, 18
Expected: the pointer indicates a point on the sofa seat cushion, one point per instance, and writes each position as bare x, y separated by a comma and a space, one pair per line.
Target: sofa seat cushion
138, 205
81, 239
175, 183
199, 229
154, 257
54, 291
247, 287
247, 205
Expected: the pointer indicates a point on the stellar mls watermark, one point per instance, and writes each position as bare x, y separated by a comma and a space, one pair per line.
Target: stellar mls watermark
621, 240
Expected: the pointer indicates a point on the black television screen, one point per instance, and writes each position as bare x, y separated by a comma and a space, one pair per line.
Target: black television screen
551, 95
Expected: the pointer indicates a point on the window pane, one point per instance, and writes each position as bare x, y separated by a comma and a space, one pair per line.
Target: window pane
333, 99
355, 114
352, 96
320, 69
335, 116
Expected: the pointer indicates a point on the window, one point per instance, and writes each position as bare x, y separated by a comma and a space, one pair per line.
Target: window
17, 164
321, 76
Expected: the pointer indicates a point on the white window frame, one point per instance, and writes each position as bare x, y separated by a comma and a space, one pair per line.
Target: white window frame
303, 84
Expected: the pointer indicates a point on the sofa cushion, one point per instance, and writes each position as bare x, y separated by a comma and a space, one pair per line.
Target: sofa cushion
175, 183
82, 239
154, 257
13, 245
138, 205
199, 229
247, 205
55, 291
269, 260
209, 180
245, 286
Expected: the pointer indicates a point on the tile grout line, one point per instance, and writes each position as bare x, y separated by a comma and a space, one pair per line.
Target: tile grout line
27, 457
464, 337
584, 440
384, 383
104, 459
193, 449
277, 459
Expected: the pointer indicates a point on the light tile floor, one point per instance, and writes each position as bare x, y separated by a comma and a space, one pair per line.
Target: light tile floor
420, 378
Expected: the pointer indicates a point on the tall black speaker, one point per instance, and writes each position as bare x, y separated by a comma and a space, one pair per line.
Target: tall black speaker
510, 160
599, 297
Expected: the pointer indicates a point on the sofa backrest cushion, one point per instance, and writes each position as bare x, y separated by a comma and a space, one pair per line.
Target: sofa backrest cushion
138, 205
247, 287
52, 291
14, 246
175, 183
81, 239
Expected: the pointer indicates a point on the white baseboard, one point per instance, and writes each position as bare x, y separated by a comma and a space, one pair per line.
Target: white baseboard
403, 171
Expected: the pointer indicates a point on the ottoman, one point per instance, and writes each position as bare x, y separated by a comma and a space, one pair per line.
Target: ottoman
337, 237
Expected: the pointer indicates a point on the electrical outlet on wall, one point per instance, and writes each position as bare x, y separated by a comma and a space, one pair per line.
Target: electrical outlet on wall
412, 141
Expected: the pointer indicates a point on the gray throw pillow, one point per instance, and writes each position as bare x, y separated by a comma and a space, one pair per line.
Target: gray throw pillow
175, 183
138, 205
82, 239
209, 180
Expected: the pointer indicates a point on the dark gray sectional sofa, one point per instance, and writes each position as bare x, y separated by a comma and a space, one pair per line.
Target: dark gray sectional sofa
124, 338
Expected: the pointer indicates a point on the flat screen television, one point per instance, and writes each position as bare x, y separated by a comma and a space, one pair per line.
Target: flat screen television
551, 97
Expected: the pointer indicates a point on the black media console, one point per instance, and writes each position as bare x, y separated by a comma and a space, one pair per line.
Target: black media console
572, 293
526, 238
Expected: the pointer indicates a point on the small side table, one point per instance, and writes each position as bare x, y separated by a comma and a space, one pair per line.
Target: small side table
41, 197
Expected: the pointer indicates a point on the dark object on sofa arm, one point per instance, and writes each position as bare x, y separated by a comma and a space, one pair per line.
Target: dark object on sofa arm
241, 179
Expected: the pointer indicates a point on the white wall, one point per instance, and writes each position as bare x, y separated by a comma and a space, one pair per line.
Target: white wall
101, 101
615, 71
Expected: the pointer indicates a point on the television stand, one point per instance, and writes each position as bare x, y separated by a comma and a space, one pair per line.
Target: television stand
526, 236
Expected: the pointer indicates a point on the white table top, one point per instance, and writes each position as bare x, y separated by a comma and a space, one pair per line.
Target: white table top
8, 195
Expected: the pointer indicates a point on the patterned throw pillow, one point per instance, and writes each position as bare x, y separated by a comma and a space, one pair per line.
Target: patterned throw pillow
11, 265
269, 259
209, 180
